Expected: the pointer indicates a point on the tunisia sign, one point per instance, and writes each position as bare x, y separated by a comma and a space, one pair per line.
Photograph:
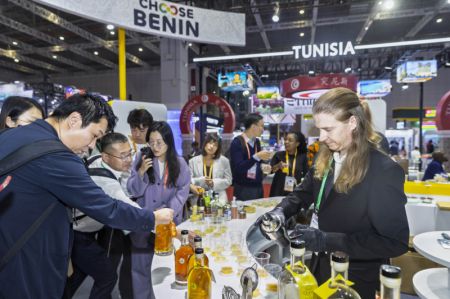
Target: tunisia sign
324, 50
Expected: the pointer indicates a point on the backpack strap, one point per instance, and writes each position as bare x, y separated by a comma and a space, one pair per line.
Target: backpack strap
103, 172
15, 160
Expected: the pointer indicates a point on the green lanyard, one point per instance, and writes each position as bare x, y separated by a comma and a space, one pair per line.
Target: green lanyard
322, 186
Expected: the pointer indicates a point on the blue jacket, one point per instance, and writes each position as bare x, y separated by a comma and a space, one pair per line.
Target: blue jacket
433, 168
240, 164
39, 269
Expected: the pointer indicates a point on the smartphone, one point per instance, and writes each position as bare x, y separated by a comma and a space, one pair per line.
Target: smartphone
147, 152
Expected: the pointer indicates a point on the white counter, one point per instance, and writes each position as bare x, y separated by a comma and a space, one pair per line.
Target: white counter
163, 275
432, 283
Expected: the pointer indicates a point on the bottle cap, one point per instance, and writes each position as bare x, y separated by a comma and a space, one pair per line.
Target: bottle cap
198, 250
390, 271
339, 257
298, 244
184, 232
197, 239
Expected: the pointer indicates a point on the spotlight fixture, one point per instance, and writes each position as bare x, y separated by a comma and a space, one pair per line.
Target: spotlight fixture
190, 44
112, 32
388, 4
61, 37
110, 27
141, 49
311, 72
405, 86
95, 53
15, 43
276, 15
302, 34
439, 20
302, 11
16, 60
366, 28
348, 70
388, 68
54, 56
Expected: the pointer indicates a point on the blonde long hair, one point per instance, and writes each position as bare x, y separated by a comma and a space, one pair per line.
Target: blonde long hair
343, 103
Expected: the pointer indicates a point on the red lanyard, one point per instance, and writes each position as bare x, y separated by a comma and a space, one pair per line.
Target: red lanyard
248, 149
166, 174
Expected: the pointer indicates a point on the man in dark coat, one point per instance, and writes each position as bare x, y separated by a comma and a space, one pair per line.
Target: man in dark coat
39, 268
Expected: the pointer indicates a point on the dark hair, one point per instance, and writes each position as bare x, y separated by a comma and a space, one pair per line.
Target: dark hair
300, 138
212, 137
109, 139
173, 165
252, 119
138, 117
14, 107
92, 109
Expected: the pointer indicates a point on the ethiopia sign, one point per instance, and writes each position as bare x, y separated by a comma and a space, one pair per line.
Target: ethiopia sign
161, 18
324, 50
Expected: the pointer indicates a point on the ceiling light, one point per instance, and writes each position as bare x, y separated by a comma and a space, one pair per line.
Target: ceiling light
61, 38
405, 86
95, 53
15, 43
54, 56
380, 2
366, 28
276, 14
447, 64
243, 56
302, 11
439, 20
140, 49
112, 32
388, 68
311, 72
16, 60
389, 4
302, 34
190, 44
348, 70
110, 27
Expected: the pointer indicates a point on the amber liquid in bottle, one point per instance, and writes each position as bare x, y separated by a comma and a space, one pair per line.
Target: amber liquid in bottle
182, 256
197, 244
199, 279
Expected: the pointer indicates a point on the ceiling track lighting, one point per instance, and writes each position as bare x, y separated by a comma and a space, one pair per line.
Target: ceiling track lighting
276, 15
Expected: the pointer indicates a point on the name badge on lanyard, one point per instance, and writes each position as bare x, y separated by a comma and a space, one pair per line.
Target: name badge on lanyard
251, 173
315, 217
289, 183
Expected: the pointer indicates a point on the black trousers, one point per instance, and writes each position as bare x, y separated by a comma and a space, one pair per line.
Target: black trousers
119, 247
243, 192
89, 259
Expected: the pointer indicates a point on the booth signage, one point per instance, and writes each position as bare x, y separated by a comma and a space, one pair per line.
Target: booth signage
324, 50
324, 81
229, 121
443, 113
298, 106
161, 18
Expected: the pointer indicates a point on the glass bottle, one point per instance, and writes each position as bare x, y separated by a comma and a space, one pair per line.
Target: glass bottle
182, 256
296, 281
197, 244
234, 209
339, 276
199, 279
390, 281
201, 205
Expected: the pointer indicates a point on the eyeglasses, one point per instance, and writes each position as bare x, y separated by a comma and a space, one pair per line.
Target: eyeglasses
122, 157
158, 144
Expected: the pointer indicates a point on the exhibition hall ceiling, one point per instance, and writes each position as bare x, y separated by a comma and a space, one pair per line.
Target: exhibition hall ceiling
39, 40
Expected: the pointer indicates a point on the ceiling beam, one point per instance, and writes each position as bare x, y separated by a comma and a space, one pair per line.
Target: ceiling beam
315, 12
18, 67
52, 40
146, 43
426, 19
385, 15
63, 23
11, 54
365, 28
28, 49
260, 25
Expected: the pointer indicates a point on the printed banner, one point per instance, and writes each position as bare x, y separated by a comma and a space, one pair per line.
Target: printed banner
322, 81
298, 106
161, 18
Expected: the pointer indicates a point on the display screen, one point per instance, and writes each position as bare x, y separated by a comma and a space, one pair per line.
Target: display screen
234, 81
268, 100
374, 88
416, 71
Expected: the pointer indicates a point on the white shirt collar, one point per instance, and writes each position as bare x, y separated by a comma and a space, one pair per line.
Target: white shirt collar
338, 158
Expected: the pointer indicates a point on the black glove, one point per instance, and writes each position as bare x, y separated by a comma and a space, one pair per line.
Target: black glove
276, 215
313, 237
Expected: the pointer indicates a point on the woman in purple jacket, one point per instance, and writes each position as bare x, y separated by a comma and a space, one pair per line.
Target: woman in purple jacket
159, 179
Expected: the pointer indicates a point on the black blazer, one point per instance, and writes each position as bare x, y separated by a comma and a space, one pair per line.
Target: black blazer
369, 223
301, 168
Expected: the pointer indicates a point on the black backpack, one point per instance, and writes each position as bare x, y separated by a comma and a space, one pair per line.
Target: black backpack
15, 160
